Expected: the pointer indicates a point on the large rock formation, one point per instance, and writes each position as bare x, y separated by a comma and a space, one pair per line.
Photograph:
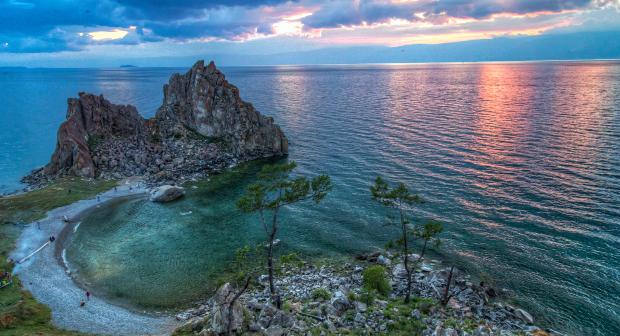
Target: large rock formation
203, 101
90, 119
202, 125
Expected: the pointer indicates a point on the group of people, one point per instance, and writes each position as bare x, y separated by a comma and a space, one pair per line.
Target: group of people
83, 303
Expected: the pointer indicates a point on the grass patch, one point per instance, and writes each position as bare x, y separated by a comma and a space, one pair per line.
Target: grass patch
20, 313
31, 206
403, 323
291, 259
321, 294
94, 141
374, 279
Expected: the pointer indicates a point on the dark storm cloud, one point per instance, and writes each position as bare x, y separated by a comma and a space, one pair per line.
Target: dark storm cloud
175, 9
349, 13
38, 26
49, 26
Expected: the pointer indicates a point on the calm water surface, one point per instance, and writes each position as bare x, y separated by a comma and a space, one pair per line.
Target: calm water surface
520, 161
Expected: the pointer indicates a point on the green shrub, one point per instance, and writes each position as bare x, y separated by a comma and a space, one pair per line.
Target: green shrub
374, 279
367, 296
352, 296
469, 325
94, 141
291, 259
321, 294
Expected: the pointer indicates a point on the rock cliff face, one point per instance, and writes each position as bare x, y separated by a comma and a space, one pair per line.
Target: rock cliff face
203, 101
90, 118
202, 125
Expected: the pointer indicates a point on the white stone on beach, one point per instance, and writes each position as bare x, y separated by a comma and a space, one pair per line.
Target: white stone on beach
166, 193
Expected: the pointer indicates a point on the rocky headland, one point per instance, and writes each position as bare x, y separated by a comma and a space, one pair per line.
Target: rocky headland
332, 300
202, 126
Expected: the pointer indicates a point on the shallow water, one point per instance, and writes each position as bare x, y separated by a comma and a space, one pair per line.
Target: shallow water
520, 161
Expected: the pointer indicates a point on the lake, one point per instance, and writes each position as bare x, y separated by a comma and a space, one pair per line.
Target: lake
520, 161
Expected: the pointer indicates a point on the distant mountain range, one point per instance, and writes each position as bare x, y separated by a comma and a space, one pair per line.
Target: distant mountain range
573, 46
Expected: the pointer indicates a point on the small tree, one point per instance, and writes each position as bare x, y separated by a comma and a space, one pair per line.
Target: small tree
429, 232
244, 271
401, 199
273, 191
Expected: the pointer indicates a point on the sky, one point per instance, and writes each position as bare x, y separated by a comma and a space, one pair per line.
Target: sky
106, 32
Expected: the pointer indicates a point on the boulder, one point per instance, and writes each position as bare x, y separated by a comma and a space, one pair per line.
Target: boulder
221, 310
524, 316
166, 193
340, 302
274, 331
381, 260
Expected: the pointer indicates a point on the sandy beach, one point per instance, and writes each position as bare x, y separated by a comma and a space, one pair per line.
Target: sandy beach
45, 276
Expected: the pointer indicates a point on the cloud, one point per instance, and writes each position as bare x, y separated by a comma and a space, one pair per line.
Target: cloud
34, 26
344, 13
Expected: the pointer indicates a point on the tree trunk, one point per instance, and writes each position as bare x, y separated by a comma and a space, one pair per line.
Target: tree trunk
406, 256
232, 303
272, 288
272, 236
446, 297
423, 249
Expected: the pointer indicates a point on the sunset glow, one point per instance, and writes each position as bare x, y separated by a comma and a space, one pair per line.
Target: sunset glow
108, 35
259, 27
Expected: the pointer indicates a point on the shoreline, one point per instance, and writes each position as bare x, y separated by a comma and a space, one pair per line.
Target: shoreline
46, 277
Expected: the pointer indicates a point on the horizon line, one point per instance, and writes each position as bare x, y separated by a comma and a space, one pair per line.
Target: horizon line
128, 66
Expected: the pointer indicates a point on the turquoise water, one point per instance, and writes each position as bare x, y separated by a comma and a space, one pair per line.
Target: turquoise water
520, 161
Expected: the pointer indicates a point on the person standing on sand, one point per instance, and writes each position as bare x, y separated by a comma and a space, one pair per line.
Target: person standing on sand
87, 296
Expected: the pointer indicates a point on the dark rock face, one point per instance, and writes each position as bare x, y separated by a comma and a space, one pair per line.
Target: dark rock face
203, 101
202, 126
90, 118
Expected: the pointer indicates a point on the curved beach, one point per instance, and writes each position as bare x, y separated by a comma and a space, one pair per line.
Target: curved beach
44, 275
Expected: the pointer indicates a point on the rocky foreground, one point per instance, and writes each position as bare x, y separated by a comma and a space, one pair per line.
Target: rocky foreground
202, 126
330, 300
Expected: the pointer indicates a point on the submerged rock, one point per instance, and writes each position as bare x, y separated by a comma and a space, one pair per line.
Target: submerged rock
166, 193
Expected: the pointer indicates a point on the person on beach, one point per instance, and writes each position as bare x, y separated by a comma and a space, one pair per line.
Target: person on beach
87, 296
115, 189
82, 303
38, 225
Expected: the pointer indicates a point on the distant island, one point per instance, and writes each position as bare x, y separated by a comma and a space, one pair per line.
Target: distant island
128, 66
